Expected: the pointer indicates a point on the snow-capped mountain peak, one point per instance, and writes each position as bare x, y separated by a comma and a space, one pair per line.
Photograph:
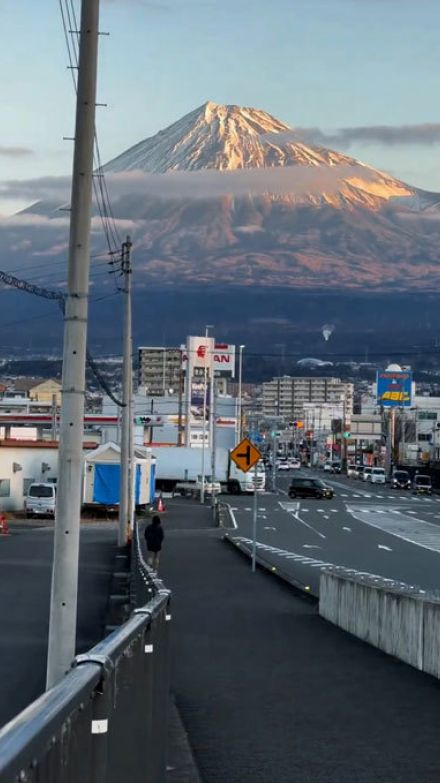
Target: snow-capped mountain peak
225, 138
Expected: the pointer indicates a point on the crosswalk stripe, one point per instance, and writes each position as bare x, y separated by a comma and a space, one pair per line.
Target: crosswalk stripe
408, 527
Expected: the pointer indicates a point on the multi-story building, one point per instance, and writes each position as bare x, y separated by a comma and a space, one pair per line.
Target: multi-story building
286, 396
160, 370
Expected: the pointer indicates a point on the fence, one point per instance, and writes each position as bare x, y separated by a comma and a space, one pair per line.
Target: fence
106, 721
402, 620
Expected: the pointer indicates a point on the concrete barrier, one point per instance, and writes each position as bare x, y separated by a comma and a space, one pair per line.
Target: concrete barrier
399, 619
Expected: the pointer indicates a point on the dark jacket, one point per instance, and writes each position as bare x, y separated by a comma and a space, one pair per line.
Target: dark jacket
154, 535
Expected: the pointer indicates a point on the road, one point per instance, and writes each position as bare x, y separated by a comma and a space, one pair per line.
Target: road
372, 529
25, 572
268, 690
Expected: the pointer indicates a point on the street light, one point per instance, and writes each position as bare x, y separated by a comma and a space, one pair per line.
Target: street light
240, 375
202, 488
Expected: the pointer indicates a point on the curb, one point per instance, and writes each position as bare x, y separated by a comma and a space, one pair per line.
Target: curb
243, 549
181, 765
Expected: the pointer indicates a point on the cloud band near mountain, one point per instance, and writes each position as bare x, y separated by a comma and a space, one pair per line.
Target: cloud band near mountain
14, 152
425, 134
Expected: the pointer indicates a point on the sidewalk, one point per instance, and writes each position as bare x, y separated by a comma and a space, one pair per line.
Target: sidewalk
271, 693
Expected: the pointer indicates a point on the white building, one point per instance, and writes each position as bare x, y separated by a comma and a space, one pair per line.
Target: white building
160, 370
21, 464
286, 396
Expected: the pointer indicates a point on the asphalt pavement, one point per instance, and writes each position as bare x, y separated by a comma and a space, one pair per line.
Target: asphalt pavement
268, 691
369, 528
25, 574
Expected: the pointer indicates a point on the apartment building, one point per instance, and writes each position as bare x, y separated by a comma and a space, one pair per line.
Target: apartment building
286, 396
160, 370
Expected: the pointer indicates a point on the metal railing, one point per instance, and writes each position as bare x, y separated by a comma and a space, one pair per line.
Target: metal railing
106, 721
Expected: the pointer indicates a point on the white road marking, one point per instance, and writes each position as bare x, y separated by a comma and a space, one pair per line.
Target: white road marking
232, 515
248, 509
405, 526
347, 529
267, 527
326, 516
334, 510
343, 496
309, 561
293, 510
311, 546
386, 548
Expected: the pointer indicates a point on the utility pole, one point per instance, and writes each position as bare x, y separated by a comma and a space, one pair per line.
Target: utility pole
64, 589
207, 353
274, 466
131, 459
212, 435
240, 394
180, 404
254, 520
127, 418
188, 388
54, 417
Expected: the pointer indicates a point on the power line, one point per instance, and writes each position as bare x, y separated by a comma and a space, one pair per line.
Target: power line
99, 183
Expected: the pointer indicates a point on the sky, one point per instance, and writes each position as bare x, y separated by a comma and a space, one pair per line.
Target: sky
362, 75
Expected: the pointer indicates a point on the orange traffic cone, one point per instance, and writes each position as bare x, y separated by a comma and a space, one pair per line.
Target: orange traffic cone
4, 529
161, 504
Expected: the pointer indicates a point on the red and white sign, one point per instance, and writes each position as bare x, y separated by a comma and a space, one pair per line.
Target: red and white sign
207, 354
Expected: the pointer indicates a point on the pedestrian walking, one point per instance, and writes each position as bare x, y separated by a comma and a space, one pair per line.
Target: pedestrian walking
154, 537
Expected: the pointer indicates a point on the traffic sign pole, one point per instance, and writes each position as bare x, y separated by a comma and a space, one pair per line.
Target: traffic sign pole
254, 521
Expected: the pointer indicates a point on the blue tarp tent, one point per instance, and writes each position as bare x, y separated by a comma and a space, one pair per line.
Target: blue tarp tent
106, 485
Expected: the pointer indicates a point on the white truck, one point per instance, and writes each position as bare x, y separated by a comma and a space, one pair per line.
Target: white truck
238, 482
182, 465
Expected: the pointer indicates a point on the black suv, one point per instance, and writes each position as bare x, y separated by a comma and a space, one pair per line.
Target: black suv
309, 488
401, 480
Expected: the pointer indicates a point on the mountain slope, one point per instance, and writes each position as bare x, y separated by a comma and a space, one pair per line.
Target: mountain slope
230, 195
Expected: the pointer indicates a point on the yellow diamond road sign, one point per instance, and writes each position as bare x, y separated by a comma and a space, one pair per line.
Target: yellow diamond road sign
245, 455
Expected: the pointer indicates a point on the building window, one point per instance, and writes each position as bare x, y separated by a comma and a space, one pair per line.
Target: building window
425, 436
427, 416
26, 484
5, 488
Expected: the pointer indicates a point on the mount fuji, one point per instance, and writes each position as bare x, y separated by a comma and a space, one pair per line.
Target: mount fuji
233, 195
235, 216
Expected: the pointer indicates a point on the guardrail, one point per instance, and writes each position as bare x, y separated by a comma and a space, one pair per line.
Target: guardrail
399, 619
106, 721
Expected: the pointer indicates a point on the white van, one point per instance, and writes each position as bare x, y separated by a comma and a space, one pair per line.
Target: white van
377, 476
41, 500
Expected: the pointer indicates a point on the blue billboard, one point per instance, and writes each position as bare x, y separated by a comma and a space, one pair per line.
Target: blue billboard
394, 389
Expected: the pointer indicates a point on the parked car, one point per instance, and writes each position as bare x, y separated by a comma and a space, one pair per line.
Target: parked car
377, 476
401, 480
283, 465
332, 466
359, 471
309, 488
351, 470
422, 485
293, 463
41, 500
366, 473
